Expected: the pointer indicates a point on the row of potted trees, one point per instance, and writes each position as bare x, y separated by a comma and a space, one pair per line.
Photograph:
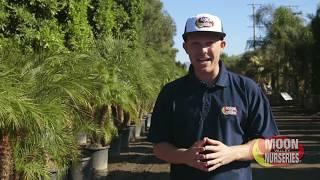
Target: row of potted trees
95, 160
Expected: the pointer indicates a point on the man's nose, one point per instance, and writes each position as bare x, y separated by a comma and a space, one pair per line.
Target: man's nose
204, 49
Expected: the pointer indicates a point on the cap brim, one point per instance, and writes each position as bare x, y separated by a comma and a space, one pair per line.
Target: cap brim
184, 36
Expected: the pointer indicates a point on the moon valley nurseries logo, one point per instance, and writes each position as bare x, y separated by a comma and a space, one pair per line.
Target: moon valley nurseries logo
277, 151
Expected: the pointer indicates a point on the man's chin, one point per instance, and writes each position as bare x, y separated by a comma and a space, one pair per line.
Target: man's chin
204, 70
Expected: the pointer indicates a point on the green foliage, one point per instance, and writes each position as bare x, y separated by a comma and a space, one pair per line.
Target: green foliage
3, 15
63, 61
129, 18
231, 62
101, 17
315, 28
45, 100
158, 28
288, 37
79, 36
121, 19
32, 24
35, 125
284, 54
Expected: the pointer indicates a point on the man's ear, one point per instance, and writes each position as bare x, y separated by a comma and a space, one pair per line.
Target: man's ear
223, 44
185, 47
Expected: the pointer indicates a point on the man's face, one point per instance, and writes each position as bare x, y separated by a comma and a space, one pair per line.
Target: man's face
204, 49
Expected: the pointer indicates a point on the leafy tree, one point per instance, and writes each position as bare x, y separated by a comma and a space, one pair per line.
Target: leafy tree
32, 24
315, 27
102, 17
131, 27
231, 62
289, 37
158, 28
284, 52
79, 36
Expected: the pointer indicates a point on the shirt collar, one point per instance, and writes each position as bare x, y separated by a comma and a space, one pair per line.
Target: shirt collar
223, 75
222, 78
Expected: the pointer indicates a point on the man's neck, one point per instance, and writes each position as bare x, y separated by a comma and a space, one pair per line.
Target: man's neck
208, 78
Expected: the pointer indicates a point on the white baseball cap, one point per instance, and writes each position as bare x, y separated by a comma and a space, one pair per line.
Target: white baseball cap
203, 23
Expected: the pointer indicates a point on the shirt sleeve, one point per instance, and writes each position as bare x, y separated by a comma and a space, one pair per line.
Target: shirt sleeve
161, 119
261, 123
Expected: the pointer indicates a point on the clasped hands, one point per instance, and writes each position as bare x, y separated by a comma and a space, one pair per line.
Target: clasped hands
208, 154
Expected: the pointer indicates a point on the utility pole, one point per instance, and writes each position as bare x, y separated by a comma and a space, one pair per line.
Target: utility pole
254, 42
254, 26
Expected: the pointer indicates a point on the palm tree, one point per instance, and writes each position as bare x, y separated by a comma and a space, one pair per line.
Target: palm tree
25, 124
44, 102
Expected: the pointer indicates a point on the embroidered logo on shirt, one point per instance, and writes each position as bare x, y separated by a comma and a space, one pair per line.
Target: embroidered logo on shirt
229, 110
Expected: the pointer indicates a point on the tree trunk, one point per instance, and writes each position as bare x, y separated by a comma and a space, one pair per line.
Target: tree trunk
126, 119
140, 113
114, 113
5, 158
120, 113
16, 176
101, 114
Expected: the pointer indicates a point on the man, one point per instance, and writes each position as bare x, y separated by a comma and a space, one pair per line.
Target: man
205, 123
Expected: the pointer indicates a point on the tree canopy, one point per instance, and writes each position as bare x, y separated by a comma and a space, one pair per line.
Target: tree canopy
288, 56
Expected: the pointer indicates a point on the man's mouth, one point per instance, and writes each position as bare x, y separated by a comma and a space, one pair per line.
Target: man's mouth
204, 59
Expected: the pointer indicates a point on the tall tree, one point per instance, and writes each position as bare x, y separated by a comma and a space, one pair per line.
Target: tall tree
32, 24
285, 45
79, 36
102, 18
315, 26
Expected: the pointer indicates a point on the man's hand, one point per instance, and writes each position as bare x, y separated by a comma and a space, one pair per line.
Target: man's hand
193, 156
218, 154
206, 155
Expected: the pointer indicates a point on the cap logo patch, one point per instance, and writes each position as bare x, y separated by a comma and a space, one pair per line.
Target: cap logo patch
229, 110
204, 22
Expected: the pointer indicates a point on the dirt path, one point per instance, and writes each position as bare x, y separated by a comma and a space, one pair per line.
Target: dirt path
138, 163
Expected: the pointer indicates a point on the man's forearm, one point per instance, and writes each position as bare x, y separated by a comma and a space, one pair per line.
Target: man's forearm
244, 152
174, 155
169, 153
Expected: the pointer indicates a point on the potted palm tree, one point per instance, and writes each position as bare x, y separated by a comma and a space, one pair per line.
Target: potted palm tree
76, 84
100, 140
25, 146
44, 100
120, 92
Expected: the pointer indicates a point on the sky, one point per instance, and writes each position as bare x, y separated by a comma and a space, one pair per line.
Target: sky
235, 16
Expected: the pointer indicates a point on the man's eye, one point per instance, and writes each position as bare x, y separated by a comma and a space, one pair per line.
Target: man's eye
209, 43
195, 45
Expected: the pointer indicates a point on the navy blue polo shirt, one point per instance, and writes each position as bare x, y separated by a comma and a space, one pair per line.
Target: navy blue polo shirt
233, 111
